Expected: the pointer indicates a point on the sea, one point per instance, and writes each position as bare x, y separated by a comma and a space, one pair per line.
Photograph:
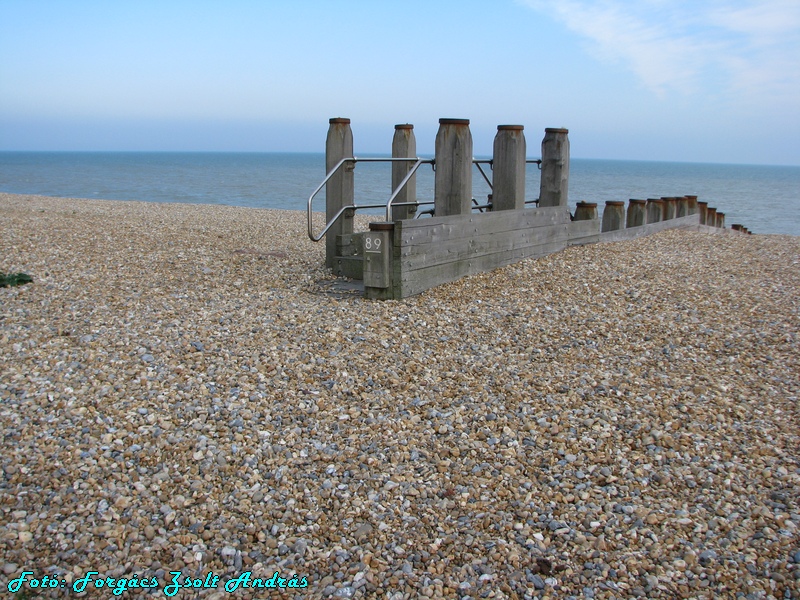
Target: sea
763, 198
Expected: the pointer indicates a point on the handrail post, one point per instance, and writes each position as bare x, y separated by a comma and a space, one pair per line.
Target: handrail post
404, 145
340, 189
453, 180
508, 190
554, 184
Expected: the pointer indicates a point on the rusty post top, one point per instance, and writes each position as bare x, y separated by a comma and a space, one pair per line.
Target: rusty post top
453, 121
404, 126
339, 120
555, 130
703, 203
583, 204
691, 197
721, 214
635, 201
655, 200
615, 203
383, 226
510, 127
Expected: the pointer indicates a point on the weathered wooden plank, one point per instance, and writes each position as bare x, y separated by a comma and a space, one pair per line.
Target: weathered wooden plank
584, 232
649, 229
468, 247
436, 229
419, 280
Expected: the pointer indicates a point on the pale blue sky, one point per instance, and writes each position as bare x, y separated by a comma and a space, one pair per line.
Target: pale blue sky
696, 80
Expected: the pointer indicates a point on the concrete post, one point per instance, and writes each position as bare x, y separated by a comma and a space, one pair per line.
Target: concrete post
702, 208
692, 204
508, 166
585, 211
669, 207
553, 188
340, 189
655, 210
404, 145
683, 206
453, 180
637, 213
613, 216
711, 217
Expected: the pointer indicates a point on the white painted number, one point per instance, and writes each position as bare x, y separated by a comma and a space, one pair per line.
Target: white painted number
372, 244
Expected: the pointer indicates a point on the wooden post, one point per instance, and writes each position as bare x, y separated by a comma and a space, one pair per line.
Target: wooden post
340, 190
692, 205
711, 217
655, 210
669, 207
508, 166
637, 213
585, 211
453, 180
721, 219
683, 206
378, 261
613, 216
404, 145
554, 184
702, 208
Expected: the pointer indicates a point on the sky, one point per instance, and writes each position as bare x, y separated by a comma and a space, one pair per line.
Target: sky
691, 81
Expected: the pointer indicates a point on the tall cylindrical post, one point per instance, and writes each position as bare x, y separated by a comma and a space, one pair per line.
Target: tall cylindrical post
702, 208
340, 189
683, 206
508, 166
637, 213
692, 205
613, 216
453, 180
404, 145
554, 184
655, 210
585, 211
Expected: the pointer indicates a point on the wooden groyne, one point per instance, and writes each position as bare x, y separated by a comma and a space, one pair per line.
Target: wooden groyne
404, 255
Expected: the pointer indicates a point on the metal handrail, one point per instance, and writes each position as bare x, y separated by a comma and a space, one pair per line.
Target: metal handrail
354, 207
486, 161
402, 184
389, 203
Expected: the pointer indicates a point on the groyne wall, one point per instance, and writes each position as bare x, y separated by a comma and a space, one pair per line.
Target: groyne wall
404, 255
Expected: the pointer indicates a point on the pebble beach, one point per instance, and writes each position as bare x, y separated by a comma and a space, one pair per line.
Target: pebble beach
186, 388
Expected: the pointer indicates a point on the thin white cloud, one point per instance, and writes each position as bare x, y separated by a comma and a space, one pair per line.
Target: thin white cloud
748, 47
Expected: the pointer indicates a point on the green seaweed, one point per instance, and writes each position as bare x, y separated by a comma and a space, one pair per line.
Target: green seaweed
12, 279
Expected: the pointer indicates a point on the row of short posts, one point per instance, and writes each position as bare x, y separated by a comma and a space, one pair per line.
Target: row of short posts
652, 210
453, 172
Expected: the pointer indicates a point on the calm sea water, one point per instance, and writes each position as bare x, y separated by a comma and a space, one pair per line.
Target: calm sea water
765, 199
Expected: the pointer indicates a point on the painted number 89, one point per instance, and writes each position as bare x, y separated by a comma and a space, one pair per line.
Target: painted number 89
372, 244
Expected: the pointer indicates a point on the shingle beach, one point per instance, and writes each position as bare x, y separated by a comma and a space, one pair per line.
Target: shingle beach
182, 388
